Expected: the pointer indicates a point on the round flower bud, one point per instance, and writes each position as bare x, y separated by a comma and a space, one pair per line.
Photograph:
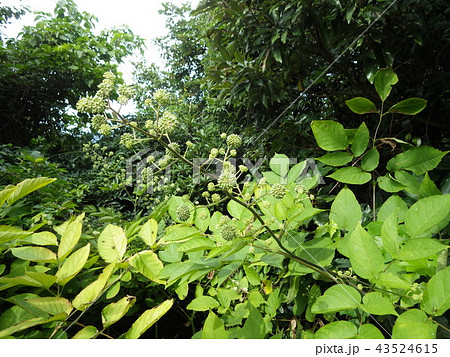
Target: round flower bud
215, 197
205, 194
150, 159
109, 75
214, 152
105, 129
359, 286
174, 147
234, 141
189, 144
126, 91
148, 102
233, 152
227, 179
278, 190
183, 213
123, 99
161, 96
211, 186
127, 140
243, 168
222, 151
105, 88
97, 121
223, 135
228, 231
300, 189
166, 124
311, 197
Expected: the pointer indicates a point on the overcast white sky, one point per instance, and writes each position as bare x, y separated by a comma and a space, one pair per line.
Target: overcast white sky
140, 15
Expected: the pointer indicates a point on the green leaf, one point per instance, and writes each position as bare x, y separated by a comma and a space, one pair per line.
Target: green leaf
27, 186
52, 305
425, 215
29, 323
254, 327
116, 310
34, 254
391, 205
370, 160
410, 181
337, 298
360, 140
390, 280
389, 235
70, 237
369, 331
330, 135
418, 160
279, 164
410, 106
414, 324
202, 218
8, 233
203, 303
428, 187
112, 243
72, 265
91, 292
377, 304
6, 192
179, 232
337, 330
345, 210
419, 248
86, 333
384, 80
147, 319
252, 276
196, 244
436, 298
213, 328
238, 211
41, 238
149, 232
388, 184
365, 257
360, 105
351, 175
338, 158
148, 264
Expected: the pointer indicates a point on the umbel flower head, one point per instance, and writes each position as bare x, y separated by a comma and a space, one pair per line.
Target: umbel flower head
183, 213
173, 146
278, 190
161, 96
234, 141
93, 105
228, 231
227, 179
166, 124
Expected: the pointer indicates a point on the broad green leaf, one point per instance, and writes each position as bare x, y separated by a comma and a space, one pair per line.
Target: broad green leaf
436, 298
370, 160
196, 244
384, 80
112, 243
389, 280
338, 158
41, 238
149, 232
389, 235
72, 265
34, 254
410, 106
410, 181
360, 140
116, 310
296, 170
360, 105
318, 250
390, 206
424, 215
279, 164
337, 330
254, 327
351, 175
238, 211
86, 333
202, 218
27, 186
345, 210
428, 187
365, 257
36, 279
30, 323
6, 192
52, 305
252, 276
147, 319
377, 304
70, 237
43, 279
226, 296
414, 324
418, 160
148, 264
388, 184
8, 233
369, 331
203, 303
175, 203
337, 298
419, 248
91, 292
330, 135
213, 328
179, 232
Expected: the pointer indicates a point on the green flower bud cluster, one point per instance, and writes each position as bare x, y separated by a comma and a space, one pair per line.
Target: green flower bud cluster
278, 190
164, 161
228, 231
183, 213
215, 197
162, 97
127, 140
173, 146
243, 168
234, 141
126, 92
214, 152
166, 124
93, 105
105, 129
107, 85
227, 179
300, 189
211, 186
97, 121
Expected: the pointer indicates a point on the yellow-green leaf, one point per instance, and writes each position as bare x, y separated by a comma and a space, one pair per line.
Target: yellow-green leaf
72, 265
70, 237
112, 243
34, 254
115, 311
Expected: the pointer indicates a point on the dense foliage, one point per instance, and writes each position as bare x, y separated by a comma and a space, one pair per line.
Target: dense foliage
168, 217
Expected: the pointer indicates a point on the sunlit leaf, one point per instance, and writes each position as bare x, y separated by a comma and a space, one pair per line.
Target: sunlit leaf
414, 324
112, 243
72, 265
